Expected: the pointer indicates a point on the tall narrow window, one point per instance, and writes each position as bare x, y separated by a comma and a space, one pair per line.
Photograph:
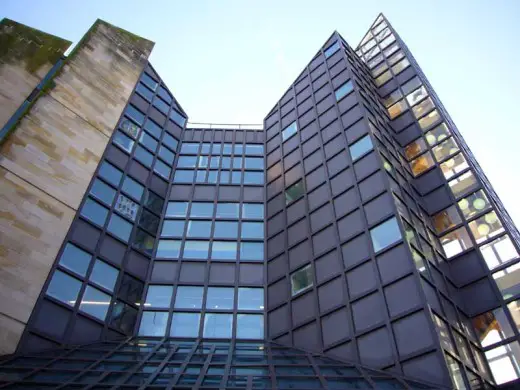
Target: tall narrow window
301, 279
289, 131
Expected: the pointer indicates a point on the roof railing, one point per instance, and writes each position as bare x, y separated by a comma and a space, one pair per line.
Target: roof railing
241, 126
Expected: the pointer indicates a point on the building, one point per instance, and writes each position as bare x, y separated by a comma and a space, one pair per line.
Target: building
352, 241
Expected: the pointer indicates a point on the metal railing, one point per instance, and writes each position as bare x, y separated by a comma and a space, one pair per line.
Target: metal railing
241, 126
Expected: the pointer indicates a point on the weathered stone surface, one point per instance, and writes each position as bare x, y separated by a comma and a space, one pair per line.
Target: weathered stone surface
10, 334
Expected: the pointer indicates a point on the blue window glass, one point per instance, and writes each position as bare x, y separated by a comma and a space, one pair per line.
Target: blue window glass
253, 251
144, 92
110, 173
227, 149
226, 230
250, 298
198, 229
177, 209
185, 325
123, 141
203, 162
64, 288
75, 259
250, 326
135, 114
94, 212
252, 211
104, 274
196, 250
201, 210
189, 148
254, 150
221, 298
224, 250
254, 163
344, 90
103, 192
119, 227
236, 177
165, 94
177, 118
95, 303
224, 177
130, 128
188, 297
227, 210
169, 249
143, 156
183, 176
205, 148
253, 177
215, 162
161, 105
172, 229
252, 230
218, 325
200, 176
238, 162
238, 149
187, 162
212, 177
166, 154
359, 148
153, 128
289, 131
148, 141
332, 49
162, 169
216, 148
133, 188
148, 81
171, 142
226, 162
153, 323
159, 296
385, 234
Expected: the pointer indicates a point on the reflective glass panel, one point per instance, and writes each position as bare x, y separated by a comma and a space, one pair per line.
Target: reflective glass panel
344, 90
422, 108
159, 296
416, 96
224, 250
153, 128
119, 227
463, 184
301, 279
508, 281
220, 298
445, 149
95, 303
415, 148
397, 109
250, 326
162, 169
392, 98
331, 49
360, 147
188, 297
153, 323
422, 164
252, 211
133, 188
185, 325
198, 229
253, 251
75, 259
385, 234
429, 119
105, 275
252, 230
498, 252
94, 212
492, 327
383, 78
201, 210
171, 142
227, 210
144, 241
196, 250
253, 177
474, 204
485, 227
226, 230
437, 134
218, 325
169, 248
446, 219
123, 141
143, 156
64, 288
455, 242
172, 229
135, 114
148, 141
250, 298
504, 362
289, 131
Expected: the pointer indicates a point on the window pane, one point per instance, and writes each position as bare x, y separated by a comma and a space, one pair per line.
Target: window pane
218, 325
437, 134
360, 147
123, 141
165, 95
94, 212
177, 118
154, 202
392, 98
254, 163
162, 169
129, 128
171, 142
383, 78
169, 249
188, 297
453, 166
416, 96
254, 150
252, 230
161, 105
379, 69
236, 177
147, 80
250, 326
504, 362
159, 296
397, 109
332, 49
226, 230
220, 298
172, 229
253, 177
95, 303
498, 252
463, 184
177, 209
198, 229
252, 251
422, 108
201, 210
223, 250
153, 323
119, 227
153, 128
289, 131
301, 279
446, 219
486, 227
64, 288
421, 164
75, 259
400, 66
455, 242
185, 325
294, 192
344, 90
426, 121
105, 275
227, 210
143, 156
474, 204
237, 162
133, 188
145, 92
411, 85
144, 241
508, 281
252, 211
250, 298
514, 310
126, 206
149, 221
445, 149
196, 250
135, 114
123, 317
148, 141
395, 58
492, 327
415, 148
385, 234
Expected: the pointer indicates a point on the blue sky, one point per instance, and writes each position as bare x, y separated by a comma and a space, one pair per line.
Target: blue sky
230, 61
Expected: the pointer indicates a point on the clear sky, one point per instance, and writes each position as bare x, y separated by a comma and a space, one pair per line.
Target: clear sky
230, 61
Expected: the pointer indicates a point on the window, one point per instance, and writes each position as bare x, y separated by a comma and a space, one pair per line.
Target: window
153, 128
456, 242
189, 148
196, 250
159, 296
253, 177
236, 177
379, 69
383, 78
75, 259
252, 230
154, 202
149, 221
504, 362
445, 149
254, 150
331, 49
508, 281
250, 298
218, 325
123, 317
415, 148
169, 249
119, 227
392, 98
95, 303
148, 81
226, 230
144, 241
221, 298
360, 147
344, 90
153, 323
94, 212
188, 297
422, 108
227, 210
198, 229
397, 109
422, 164
110, 173
387, 41
172, 229
224, 250
187, 162
201, 210
250, 326
474, 204
105, 275
498, 252
133, 188
385, 234
126, 206
143, 156
492, 327
185, 325
485, 227
454, 166
169, 141
145, 92
289, 131
135, 114
400, 66
148, 141
251, 211
161, 105
123, 141
426, 121
165, 94
437, 134
514, 310
463, 184
301, 279
411, 85
177, 209
64, 288
446, 219
416, 96
237, 162
395, 58
177, 118
294, 192
129, 128
253, 251
254, 163
162, 169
